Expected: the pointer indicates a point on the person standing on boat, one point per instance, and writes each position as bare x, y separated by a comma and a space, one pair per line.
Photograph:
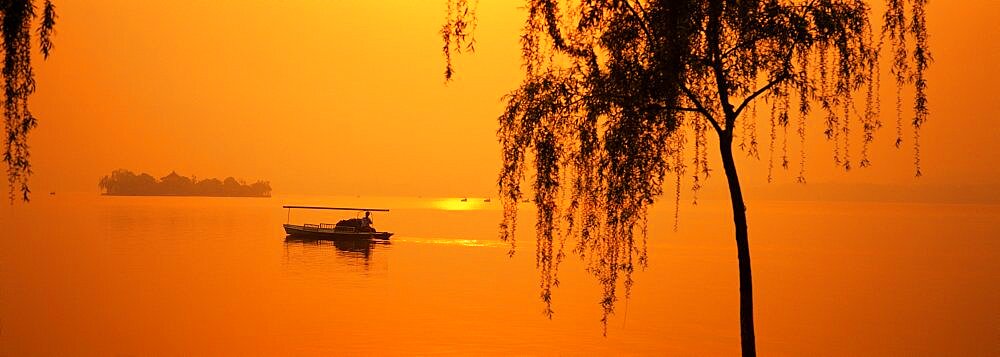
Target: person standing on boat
366, 223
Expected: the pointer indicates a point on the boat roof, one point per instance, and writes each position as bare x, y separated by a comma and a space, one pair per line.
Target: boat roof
340, 208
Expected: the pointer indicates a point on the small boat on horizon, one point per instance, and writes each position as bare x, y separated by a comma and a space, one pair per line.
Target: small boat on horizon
352, 228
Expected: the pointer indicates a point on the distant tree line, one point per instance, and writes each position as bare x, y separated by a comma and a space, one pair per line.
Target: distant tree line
126, 183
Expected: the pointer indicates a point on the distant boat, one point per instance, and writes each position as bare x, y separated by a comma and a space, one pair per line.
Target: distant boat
486, 200
465, 199
353, 228
53, 193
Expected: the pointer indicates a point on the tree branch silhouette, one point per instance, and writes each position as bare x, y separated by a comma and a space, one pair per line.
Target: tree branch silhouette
16, 17
614, 92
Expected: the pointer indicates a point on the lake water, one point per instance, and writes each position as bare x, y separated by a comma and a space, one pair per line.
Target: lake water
82, 274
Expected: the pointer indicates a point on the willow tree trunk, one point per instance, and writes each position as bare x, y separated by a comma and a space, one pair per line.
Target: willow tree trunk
742, 245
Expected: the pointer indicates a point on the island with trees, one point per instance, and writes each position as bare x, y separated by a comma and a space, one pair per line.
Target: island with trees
126, 183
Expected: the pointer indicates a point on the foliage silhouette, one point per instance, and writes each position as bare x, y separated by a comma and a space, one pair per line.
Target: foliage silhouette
614, 90
16, 17
126, 183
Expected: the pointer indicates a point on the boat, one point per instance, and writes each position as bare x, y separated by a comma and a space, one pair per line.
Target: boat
347, 229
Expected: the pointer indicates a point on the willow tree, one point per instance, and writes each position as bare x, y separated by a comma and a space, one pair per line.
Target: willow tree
615, 90
16, 19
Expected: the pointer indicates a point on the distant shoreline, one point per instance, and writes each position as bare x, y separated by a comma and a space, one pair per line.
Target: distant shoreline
126, 183
179, 195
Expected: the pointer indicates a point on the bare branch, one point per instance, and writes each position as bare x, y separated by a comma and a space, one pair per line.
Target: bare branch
760, 91
701, 108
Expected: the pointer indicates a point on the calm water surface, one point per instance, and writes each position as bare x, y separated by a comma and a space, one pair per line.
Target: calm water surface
90, 275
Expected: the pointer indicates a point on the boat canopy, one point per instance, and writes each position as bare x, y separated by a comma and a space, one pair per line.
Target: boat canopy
340, 208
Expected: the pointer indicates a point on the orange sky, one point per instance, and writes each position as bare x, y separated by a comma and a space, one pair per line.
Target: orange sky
326, 97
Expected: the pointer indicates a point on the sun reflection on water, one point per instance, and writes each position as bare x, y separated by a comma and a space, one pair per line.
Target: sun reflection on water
462, 204
452, 241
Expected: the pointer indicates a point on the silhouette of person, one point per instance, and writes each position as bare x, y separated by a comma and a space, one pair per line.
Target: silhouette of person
366, 222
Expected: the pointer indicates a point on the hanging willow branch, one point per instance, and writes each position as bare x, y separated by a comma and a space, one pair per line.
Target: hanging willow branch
19, 83
614, 90
459, 25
